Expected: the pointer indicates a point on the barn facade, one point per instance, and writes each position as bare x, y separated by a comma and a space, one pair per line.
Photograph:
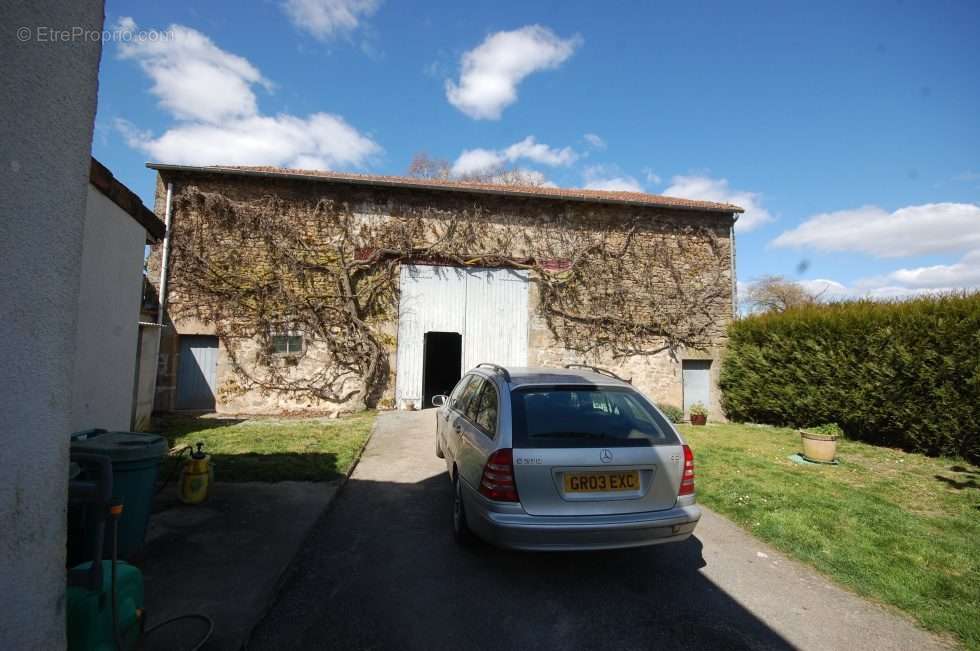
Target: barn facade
293, 291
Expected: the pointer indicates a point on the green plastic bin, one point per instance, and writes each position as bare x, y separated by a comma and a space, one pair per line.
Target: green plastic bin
136, 459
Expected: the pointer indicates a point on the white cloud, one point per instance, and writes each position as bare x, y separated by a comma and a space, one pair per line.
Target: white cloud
962, 274
492, 70
619, 183
706, 188
605, 177
210, 93
476, 161
594, 141
826, 289
913, 230
132, 134
902, 283
540, 153
325, 19
652, 176
319, 141
193, 78
125, 25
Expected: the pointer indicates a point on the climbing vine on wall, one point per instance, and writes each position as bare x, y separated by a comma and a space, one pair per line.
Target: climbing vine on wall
255, 268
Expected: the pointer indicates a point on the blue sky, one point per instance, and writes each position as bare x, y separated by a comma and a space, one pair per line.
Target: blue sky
851, 133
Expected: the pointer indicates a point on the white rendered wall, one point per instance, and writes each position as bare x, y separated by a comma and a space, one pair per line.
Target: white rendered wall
47, 111
108, 316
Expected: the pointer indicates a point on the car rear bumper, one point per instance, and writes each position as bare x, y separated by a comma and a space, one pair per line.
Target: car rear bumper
507, 525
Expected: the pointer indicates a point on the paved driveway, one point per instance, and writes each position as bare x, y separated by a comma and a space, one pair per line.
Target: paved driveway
380, 571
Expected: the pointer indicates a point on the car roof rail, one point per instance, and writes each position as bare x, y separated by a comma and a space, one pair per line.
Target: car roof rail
600, 371
497, 367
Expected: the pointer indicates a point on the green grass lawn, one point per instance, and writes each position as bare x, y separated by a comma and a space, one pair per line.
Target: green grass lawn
270, 449
900, 528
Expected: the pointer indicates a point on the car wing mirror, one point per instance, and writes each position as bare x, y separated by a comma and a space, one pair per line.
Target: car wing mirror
439, 400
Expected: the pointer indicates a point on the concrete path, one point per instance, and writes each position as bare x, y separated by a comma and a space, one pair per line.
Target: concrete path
224, 558
380, 571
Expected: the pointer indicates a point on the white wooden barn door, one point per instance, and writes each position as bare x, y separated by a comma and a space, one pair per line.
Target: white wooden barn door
488, 307
496, 317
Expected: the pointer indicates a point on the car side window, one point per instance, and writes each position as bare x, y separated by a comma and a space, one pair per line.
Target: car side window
473, 404
486, 409
455, 400
466, 399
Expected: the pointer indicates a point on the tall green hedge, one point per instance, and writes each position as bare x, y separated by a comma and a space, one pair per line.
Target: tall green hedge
903, 374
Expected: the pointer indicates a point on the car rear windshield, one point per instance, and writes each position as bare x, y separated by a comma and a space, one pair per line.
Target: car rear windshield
586, 416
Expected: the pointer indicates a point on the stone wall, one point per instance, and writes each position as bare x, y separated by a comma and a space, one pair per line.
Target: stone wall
659, 375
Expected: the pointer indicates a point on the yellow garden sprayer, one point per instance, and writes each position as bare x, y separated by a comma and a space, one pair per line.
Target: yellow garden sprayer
196, 477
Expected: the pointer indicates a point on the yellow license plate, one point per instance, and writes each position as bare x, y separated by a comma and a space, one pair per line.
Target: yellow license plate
602, 482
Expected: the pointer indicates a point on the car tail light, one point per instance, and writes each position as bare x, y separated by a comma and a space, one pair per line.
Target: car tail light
497, 482
687, 479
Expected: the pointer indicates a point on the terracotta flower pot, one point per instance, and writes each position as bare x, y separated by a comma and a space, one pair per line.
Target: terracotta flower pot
819, 447
699, 419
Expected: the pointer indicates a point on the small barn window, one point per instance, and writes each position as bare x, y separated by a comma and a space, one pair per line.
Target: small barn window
287, 344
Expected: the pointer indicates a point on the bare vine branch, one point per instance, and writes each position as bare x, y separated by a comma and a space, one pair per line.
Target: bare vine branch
257, 268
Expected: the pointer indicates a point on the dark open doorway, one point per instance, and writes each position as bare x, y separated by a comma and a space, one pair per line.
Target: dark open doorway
442, 359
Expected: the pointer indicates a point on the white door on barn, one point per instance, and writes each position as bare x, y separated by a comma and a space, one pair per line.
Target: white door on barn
488, 307
496, 317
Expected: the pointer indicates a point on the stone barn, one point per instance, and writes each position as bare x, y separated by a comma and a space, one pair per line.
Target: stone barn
295, 291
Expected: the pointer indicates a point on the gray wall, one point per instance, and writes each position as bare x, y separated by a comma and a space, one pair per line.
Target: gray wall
108, 314
47, 108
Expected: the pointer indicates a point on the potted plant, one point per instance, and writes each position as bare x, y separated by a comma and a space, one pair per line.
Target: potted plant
820, 442
699, 414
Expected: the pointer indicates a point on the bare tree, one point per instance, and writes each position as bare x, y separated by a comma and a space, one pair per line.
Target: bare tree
511, 176
424, 166
777, 294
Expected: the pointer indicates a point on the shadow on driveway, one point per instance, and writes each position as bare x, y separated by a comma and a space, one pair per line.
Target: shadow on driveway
380, 571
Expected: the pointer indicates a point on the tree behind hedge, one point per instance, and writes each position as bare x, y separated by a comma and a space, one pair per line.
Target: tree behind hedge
903, 374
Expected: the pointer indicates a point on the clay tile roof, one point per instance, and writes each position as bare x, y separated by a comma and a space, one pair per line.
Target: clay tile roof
569, 194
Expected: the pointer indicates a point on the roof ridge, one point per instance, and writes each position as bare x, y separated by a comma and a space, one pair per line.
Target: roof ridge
547, 192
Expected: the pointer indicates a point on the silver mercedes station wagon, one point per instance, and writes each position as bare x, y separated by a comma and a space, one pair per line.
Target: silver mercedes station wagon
559, 459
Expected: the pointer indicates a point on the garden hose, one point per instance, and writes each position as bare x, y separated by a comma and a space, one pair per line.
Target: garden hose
204, 618
115, 511
173, 469
207, 620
